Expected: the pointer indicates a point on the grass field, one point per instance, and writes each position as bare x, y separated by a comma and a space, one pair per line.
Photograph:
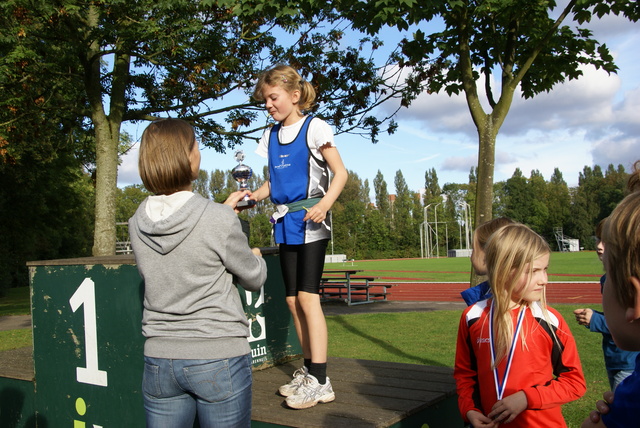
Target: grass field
580, 266
16, 302
417, 338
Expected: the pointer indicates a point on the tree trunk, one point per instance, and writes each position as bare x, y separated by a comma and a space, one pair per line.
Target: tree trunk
484, 186
107, 133
486, 166
104, 238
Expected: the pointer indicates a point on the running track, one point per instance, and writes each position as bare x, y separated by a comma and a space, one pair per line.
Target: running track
557, 292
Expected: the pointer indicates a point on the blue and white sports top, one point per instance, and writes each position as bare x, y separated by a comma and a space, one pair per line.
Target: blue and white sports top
297, 172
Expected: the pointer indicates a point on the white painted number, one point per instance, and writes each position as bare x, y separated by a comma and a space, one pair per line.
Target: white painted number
258, 318
86, 295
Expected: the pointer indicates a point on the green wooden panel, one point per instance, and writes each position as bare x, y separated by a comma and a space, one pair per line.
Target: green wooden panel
88, 345
17, 405
273, 337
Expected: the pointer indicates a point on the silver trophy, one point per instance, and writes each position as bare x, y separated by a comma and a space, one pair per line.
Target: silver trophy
242, 173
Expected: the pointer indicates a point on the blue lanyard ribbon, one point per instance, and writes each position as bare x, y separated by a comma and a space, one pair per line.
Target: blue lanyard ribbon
501, 385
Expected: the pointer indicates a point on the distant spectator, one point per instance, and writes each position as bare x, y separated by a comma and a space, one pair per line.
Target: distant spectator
481, 235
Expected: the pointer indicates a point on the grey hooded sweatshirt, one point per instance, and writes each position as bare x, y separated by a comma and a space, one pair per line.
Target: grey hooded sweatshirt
190, 256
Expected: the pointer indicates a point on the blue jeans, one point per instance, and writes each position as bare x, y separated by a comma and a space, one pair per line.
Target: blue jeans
218, 391
617, 376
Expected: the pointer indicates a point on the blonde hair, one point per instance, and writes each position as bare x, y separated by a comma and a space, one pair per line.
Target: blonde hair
621, 238
509, 251
163, 162
486, 229
288, 79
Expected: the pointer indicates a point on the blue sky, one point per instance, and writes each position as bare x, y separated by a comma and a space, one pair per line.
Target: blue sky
589, 121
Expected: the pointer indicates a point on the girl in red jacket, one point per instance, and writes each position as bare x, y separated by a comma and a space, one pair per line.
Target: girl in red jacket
516, 360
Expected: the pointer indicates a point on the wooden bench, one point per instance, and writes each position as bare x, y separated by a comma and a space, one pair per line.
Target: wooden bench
333, 287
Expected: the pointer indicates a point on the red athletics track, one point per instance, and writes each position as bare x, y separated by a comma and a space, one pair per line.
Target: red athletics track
557, 292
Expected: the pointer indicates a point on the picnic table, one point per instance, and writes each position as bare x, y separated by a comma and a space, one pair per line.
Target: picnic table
344, 284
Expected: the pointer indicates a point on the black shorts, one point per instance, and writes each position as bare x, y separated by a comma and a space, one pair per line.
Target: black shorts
302, 266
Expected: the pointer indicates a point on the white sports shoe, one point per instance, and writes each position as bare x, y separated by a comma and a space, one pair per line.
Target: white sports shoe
291, 387
311, 393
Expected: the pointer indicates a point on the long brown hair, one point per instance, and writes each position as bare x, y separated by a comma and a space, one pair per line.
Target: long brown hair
164, 162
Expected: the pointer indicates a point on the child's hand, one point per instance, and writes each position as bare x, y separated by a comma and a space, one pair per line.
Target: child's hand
478, 420
316, 213
594, 419
583, 316
507, 409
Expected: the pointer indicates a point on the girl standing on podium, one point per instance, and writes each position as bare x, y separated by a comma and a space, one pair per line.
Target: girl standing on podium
301, 151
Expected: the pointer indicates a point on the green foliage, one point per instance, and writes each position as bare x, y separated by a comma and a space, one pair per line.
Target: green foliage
348, 217
519, 44
46, 208
200, 184
260, 231
545, 206
128, 200
393, 230
404, 231
594, 199
85, 67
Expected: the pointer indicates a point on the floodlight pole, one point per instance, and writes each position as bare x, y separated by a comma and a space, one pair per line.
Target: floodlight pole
435, 211
427, 235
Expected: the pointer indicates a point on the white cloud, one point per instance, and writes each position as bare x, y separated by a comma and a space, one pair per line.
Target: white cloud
128, 169
459, 163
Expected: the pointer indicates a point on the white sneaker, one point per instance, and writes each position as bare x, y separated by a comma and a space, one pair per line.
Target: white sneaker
311, 393
291, 387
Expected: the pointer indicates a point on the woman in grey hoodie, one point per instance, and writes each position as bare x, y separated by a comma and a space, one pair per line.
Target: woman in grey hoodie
191, 253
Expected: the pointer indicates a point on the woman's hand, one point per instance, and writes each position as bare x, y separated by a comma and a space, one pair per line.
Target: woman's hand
236, 197
256, 251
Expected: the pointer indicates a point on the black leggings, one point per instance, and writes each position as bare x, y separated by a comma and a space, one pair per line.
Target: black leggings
302, 266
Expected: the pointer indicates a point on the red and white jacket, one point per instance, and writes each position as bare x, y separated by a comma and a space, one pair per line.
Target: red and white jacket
546, 369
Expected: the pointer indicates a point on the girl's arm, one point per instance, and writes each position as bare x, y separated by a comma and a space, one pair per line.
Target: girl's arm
569, 384
262, 193
466, 375
318, 213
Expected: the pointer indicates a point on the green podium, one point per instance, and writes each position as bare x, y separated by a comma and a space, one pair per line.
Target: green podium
88, 345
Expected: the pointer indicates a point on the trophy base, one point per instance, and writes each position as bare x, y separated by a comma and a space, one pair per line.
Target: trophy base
246, 203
